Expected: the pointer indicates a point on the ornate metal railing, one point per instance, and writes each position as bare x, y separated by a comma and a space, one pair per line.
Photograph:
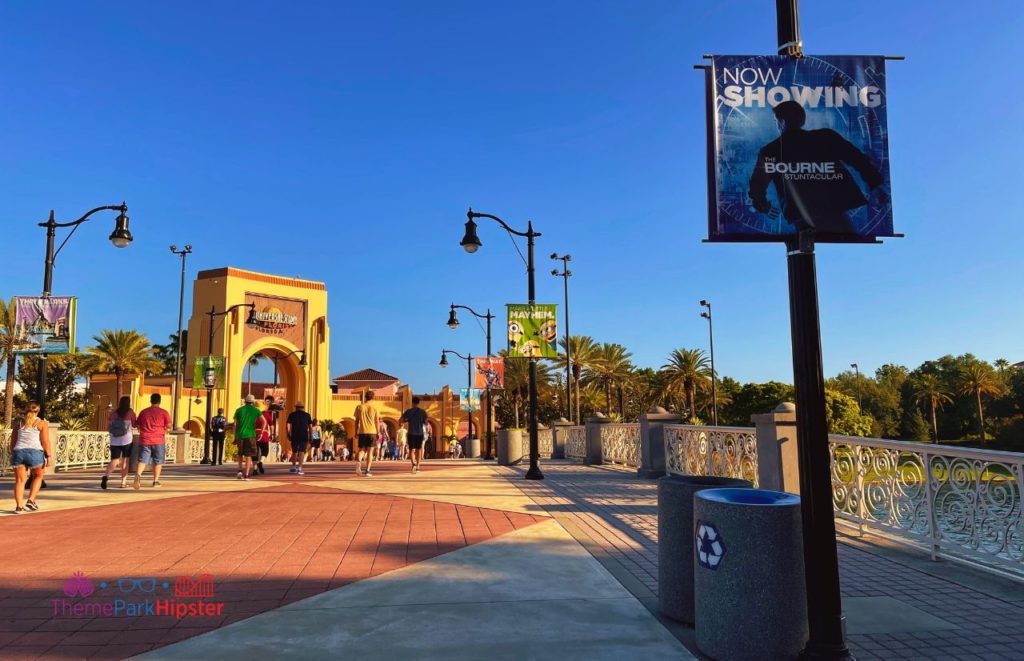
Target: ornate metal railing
5, 451
722, 451
195, 450
576, 443
958, 501
620, 443
545, 443
80, 449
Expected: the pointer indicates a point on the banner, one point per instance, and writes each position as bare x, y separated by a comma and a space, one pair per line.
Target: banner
489, 372
798, 144
203, 364
532, 331
278, 394
283, 318
44, 324
469, 399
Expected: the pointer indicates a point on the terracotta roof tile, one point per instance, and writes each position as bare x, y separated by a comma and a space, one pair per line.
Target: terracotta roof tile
367, 374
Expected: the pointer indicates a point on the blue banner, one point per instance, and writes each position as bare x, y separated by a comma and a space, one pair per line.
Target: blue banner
798, 144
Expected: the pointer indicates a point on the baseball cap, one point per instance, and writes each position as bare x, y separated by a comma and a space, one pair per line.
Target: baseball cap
249, 399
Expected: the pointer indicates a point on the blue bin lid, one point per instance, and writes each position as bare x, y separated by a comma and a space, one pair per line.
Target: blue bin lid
749, 496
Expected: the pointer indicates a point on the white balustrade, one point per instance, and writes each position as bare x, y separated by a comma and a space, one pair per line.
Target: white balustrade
620, 443
719, 451
576, 443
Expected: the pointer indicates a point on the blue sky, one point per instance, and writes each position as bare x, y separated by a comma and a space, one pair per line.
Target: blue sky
343, 142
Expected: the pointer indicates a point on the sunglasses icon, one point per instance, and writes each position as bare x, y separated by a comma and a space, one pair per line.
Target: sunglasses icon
127, 585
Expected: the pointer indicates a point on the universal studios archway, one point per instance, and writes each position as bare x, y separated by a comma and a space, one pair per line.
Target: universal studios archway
290, 320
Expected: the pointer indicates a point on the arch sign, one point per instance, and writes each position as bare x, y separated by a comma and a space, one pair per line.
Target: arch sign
282, 318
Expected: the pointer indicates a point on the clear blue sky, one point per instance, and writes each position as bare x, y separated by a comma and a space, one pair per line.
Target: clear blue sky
343, 142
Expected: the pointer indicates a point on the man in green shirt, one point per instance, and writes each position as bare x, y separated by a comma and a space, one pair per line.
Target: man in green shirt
245, 436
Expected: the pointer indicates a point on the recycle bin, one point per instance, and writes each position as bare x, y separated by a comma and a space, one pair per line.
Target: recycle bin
675, 540
749, 588
510, 447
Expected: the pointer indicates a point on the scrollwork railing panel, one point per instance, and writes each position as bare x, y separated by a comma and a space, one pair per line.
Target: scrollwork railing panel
720, 451
80, 449
5, 451
576, 443
620, 443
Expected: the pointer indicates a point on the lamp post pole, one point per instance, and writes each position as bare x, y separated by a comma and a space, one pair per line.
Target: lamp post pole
565, 275
471, 243
469, 383
714, 375
184, 252
209, 378
453, 322
121, 237
856, 368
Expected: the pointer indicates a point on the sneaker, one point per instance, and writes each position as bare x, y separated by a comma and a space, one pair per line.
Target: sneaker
240, 476
260, 466
156, 483
31, 506
293, 469
367, 474
19, 510
103, 482
124, 482
137, 484
244, 479
299, 472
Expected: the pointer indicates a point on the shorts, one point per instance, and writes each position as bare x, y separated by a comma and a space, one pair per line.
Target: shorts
152, 454
247, 448
315, 443
119, 451
28, 458
299, 446
263, 447
415, 442
367, 440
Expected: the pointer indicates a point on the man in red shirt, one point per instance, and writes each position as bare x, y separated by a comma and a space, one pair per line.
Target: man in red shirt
153, 424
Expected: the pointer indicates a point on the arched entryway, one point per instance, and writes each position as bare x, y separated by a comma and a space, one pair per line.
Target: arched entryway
287, 385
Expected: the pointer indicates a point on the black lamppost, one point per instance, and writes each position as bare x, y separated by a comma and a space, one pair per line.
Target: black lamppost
183, 253
857, 370
469, 381
565, 274
471, 243
210, 375
121, 237
714, 376
453, 322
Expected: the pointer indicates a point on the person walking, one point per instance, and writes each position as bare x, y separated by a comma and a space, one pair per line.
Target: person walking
245, 436
264, 435
299, 424
119, 425
367, 423
31, 453
416, 418
401, 441
154, 422
218, 431
315, 441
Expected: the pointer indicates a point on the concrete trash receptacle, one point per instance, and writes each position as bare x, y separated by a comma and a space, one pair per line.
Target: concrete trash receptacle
510, 447
471, 447
675, 539
749, 588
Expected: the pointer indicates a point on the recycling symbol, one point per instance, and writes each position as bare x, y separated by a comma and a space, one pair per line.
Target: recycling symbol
710, 545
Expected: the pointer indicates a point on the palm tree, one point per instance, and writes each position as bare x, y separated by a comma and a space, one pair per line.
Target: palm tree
582, 351
929, 388
517, 382
687, 370
121, 352
253, 361
978, 378
610, 366
8, 340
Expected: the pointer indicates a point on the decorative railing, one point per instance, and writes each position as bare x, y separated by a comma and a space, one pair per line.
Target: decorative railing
576, 443
722, 451
194, 455
545, 443
958, 501
5, 451
80, 449
620, 443
171, 452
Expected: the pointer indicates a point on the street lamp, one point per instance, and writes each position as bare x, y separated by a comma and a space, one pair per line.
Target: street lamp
469, 381
183, 253
453, 322
565, 274
121, 237
210, 374
714, 376
857, 370
471, 243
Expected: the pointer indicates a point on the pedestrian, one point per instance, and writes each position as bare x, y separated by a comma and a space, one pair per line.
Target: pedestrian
265, 434
245, 436
31, 453
299, 424
315, 440
154, 423
367, 422
402, 441
218, 431
382, 439
344, 454
119, 426
416, 418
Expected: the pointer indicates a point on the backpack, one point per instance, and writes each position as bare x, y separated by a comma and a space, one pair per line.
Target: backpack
119, 427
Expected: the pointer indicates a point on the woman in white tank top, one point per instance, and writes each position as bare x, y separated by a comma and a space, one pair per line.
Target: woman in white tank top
30, 455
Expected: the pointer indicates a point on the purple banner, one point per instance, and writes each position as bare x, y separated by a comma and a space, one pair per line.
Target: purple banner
44, 325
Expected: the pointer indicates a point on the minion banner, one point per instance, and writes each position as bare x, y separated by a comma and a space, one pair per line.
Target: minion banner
798, 144
489, 373
532, 331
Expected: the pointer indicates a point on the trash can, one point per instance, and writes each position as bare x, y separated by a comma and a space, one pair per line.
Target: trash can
675, 540
471, 448
749, 588
510, 447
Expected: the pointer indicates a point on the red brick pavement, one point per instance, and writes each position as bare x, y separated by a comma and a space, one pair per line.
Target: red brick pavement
265, 547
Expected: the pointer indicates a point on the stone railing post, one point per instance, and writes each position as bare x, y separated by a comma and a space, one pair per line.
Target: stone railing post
777, 462
53, 431
652, 441
559, 435
594, 425
181, 447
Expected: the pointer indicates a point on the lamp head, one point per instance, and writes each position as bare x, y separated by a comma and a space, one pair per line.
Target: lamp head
470, 242
121, 237
188, 247
705, 315
444, 359
554, 255
554, 271
302, 359
703, 303
568, 258
854, 365
251, 319
453, 321
174, 248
